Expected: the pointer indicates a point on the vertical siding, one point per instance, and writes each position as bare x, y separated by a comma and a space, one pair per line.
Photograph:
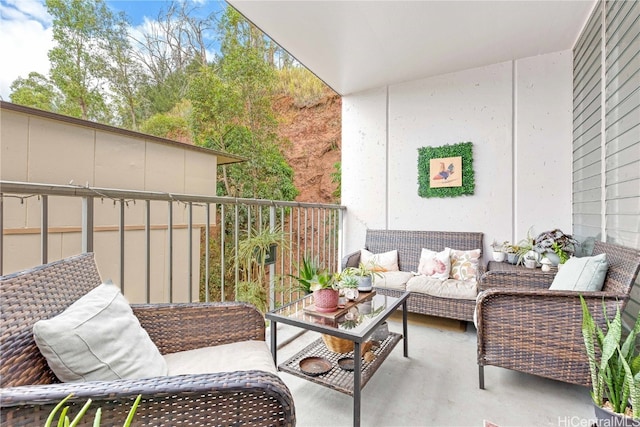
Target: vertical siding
587, 131
609, 203
622, 130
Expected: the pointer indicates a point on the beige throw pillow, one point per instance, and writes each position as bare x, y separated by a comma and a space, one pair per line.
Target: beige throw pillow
385, 261
464, 264
98, 338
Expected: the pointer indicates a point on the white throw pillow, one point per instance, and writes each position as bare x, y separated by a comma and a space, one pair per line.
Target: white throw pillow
386, 261
581, 274
436, 265
98, 338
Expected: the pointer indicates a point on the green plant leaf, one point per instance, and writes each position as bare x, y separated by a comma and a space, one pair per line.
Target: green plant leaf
83, 411
98, 418
132, 411
588, 334
53, 412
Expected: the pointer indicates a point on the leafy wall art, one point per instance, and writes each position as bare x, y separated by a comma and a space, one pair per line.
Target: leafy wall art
446, 171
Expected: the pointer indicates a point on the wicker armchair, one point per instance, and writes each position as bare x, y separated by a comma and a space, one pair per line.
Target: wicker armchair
29, 389
525, 327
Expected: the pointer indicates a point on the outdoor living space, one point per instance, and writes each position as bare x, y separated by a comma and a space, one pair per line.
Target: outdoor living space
438, 386
520, 117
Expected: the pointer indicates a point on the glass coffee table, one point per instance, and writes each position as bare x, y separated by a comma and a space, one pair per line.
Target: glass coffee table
356, 322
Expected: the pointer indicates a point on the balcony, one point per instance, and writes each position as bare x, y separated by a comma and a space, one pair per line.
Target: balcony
436, 385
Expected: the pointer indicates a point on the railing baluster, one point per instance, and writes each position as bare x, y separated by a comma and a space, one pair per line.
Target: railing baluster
44, 229
222, 254
1, 234
121, 228
207, 267
170, 250
272, 266
190, 250
87, 224
147, 261
236, 229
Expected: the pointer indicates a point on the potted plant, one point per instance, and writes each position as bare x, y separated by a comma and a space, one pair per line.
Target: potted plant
252, 258
523, 250
499, 253
511, 251
364, 274
325, 291
614, 364
349, 285
556, 245
307, 269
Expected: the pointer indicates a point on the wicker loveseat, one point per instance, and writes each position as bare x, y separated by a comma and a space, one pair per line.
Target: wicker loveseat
409, 244
29, 389
524, 326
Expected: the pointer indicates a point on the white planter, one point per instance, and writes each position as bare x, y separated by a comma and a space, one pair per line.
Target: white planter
499, 256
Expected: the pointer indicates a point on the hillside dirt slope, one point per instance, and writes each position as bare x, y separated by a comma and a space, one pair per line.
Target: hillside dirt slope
314, 134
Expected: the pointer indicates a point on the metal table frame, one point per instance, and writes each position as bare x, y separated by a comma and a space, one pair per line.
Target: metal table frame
358, 337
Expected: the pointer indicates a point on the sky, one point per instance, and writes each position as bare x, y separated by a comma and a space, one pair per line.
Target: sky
26, 36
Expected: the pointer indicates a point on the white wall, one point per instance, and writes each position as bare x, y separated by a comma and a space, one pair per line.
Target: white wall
518, 116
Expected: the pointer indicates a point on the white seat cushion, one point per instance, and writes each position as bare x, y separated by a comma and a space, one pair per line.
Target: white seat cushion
238, 356
450, 288
392, 280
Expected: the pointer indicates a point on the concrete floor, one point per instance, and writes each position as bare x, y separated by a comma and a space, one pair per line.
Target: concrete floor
438, 386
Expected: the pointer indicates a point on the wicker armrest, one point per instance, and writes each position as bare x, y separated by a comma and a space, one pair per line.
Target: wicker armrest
535, 279
180, 327
257, 398
516, 314
351, 260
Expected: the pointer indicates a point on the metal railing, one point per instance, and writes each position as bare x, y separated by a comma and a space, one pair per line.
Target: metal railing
195, 238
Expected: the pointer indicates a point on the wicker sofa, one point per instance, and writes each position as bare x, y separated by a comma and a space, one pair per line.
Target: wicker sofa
524, 326
29, 389
409, 244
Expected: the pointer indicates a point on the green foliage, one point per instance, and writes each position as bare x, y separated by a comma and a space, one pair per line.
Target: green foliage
232, 112
63, 420
97, 75
464, 150
252, 252
35, 91
301, 85
165, 126
307, 270
78, 63
616, 375
336, 177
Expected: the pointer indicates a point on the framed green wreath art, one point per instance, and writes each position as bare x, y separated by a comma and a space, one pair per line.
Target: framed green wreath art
446, 171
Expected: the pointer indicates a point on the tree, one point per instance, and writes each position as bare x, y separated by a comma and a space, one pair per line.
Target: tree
124, 72
35, 91
78, 62
232, 112
171, 51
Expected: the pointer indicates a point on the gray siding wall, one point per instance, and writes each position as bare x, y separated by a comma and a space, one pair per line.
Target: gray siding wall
606, 138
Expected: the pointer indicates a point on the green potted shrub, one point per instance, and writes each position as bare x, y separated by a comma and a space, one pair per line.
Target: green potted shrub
364, 274
307, 270
614, 364
556, 245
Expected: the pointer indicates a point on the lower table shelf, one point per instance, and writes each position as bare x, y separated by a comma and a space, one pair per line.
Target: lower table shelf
338, 378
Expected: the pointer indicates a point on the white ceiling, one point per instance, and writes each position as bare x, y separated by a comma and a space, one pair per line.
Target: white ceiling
359, 45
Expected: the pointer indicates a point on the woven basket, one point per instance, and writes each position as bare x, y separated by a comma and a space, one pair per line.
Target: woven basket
341, 345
